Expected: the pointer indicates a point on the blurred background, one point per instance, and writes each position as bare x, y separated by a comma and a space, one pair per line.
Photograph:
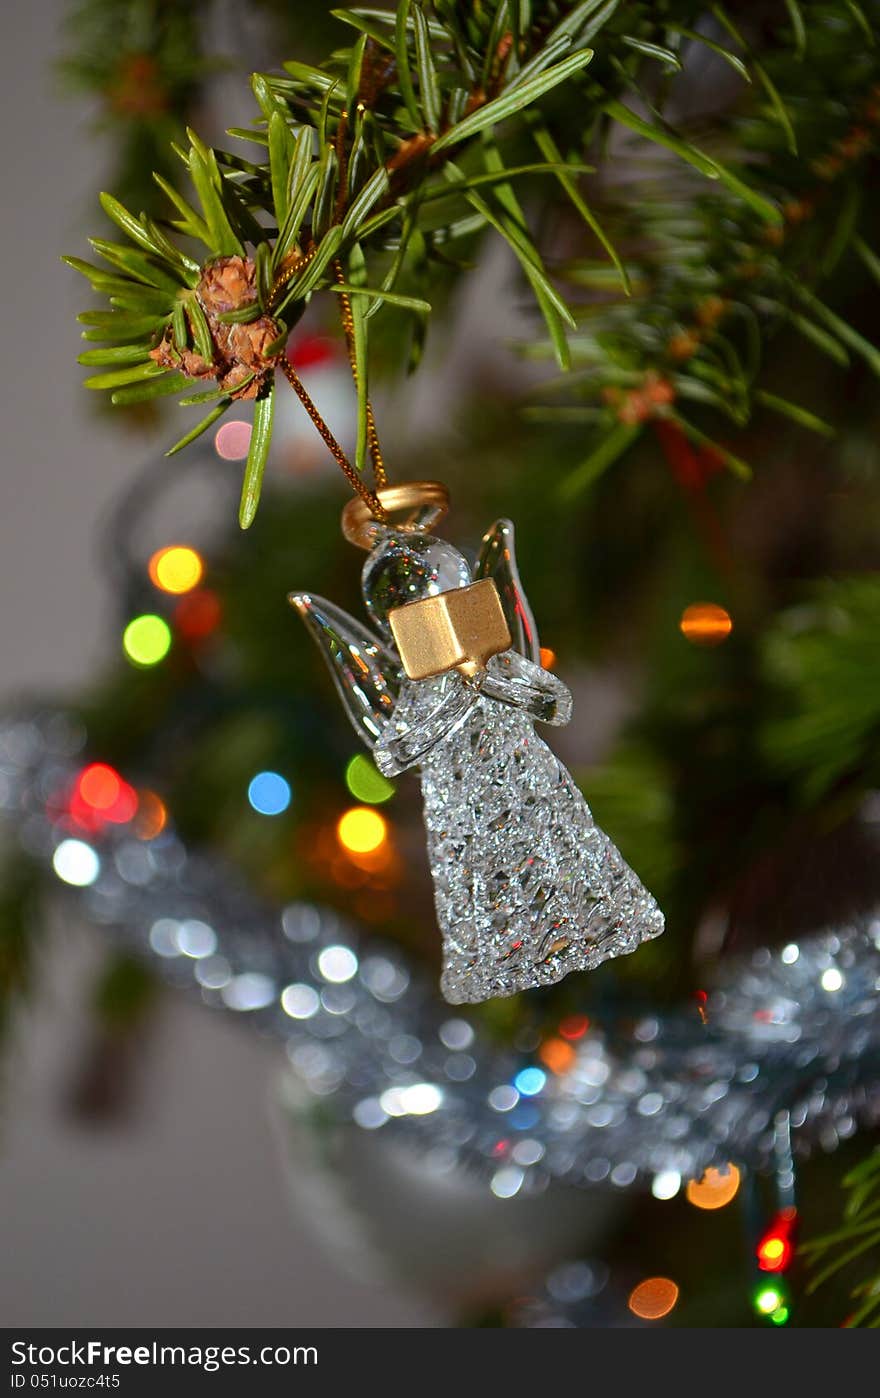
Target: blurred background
697, 511
180, 1212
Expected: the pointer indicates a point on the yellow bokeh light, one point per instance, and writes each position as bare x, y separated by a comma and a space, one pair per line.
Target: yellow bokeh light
715, 1189
653, 1298
705, 624
176, 569
362, 830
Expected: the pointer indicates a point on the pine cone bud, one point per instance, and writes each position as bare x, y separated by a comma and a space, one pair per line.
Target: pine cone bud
242, 360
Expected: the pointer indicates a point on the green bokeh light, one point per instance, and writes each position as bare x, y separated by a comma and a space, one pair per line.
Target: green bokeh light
366, 783
769, 1301
146, 639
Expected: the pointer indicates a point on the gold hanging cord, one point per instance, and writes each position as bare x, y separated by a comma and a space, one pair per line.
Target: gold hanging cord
293, 266
370, 498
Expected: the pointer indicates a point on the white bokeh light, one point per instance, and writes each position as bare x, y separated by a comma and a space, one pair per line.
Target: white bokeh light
666, 1184
76, 863
300, 1001
337, 964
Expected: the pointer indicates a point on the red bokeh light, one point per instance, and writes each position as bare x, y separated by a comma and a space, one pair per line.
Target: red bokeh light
197, 614
776, 1249
99, 795
574, 1027
309, 351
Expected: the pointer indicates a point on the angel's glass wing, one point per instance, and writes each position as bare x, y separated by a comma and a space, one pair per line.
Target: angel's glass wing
366, 673
497, 560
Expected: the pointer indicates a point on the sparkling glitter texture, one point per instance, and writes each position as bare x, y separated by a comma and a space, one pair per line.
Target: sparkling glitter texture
526, 886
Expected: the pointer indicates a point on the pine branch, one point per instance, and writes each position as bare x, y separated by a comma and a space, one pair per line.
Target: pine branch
858, 1236
713, 281
823, 660
145, 68
411, 142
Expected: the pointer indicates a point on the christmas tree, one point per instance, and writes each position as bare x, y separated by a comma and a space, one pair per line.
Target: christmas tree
665, 215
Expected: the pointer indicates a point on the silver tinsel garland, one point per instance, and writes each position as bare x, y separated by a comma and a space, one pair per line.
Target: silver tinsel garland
788, 1045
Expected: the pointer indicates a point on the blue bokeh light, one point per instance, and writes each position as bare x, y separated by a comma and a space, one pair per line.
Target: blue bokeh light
530, 1081
269, 793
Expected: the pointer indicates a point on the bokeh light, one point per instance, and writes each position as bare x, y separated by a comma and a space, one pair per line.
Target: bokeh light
714, 1189
653, 1298
776, 1248
146, 639
666, 1184
365, 781
556, 1055
414, 1099
832, 979
300, 1001
176, 569
530, 1081
76, 863
705, 624
362, 830
152, 815
269, 793
99, 786
548, 657
769, 1299
771, 1254
232, 440
198, 614
337, 964
574, 1026
249, 991
103, 793
196, 939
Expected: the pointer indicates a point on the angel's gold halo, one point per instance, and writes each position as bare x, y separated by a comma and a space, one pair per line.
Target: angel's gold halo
425, 503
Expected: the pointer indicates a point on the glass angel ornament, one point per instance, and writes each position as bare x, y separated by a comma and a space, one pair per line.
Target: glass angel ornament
527, 887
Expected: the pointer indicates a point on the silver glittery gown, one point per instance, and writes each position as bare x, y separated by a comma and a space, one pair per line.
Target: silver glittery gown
527, 887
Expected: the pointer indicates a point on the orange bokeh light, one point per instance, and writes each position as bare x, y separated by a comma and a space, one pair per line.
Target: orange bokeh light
176, 569
715, 1189
705, 624
152, 816
556, 1055
653, 1298
548, 657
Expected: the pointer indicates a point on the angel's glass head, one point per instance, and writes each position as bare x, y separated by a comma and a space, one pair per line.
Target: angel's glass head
405, 566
